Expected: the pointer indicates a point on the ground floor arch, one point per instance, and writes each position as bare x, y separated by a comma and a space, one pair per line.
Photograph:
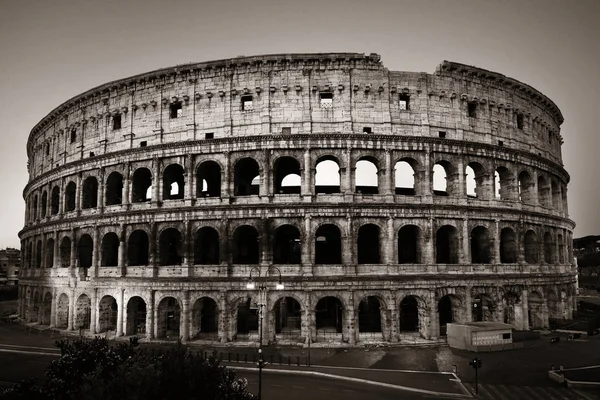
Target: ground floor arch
446, 312
409, 314
168, 318
205, 319
483, 308
136, 316
369, 316
247, 319
329, 318
46, 309
107, 314
62, 312
535, 308
288, 318
83, 312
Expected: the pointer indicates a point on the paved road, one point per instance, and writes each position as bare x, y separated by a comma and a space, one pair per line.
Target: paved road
512, 392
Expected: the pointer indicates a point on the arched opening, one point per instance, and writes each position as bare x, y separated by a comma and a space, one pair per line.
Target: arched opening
208, 180
553, 305
205, 319
65, 252
62, 312
288, 318
409, 314
34, 213
141, 186
408, 245
137, 248
89, 195
206, 246
475, 180
286, 176
367, 245
168, 314
329, 317
366, 178
508, 246
30, 255
114, 189
531, 247
445, 314
136, 316
173, 182
482, 308
47, 309
404, 178
70, 196
481, 246
245, 245
85, 251
247, 319
38, 254
55, 200
44, 204
369, 315
502, 184
526, 187
544, 196
327, 176
328, 245
549, 249
446, 245
535, 311
556, 196
244, 180
170, 247
110, 250
83, 312
33, 316
561, 249
50, 253
511, 300
287, 246
443, 178
107, 314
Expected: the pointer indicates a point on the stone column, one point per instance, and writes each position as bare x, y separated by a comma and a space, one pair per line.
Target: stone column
100, 193
153, 250
465, 256
348, 259
53, 307
346, 180
120, 311
73, 260
496, 259
156, 183
185, 316
188, 255
78, 194
468, 305
61, 198
525, 310
389, 244
126, 199
94, 311
122, 256
394, 320
386, 172
307, 247
226, 190
150, 316
434, 326
189, 179
462, 188
56, 255
96, 253
426, 243
72, 311
223, 312
307, 174
349, 331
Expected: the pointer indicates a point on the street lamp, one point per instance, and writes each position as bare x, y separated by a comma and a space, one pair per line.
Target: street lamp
262, 288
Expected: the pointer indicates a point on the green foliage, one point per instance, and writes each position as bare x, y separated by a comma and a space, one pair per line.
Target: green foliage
95, 370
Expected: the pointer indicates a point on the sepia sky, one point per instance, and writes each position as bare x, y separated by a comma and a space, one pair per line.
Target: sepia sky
53, 50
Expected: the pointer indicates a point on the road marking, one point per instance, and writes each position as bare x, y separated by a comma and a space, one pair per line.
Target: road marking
39, 353
275, 385
325, 389
29, 347
298, 387
380, 369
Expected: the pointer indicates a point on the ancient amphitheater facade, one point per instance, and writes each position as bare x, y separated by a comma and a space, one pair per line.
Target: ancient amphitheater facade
387, 203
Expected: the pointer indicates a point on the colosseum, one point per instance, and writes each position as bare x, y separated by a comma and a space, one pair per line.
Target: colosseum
320, 197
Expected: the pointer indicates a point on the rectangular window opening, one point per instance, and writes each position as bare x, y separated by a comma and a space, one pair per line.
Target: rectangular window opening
117, 122
326, 99
143, 143
47, 149
286, 130
73, 135
442, 134
404, 102
500, 143
247, 103
506, 336
175, 110
472, 110
520, 121
92, 154
367, 129
209, 135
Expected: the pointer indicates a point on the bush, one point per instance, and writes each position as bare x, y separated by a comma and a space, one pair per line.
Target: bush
94, 370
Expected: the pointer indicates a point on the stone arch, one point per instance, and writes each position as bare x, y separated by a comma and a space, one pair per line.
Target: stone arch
65, 252
368, 247
448, 308
38, 253
114, 189
535, 311
136, 316
531, 247
44, 205
110, 250
247, 322
483, 307
168, 318
404, 176
366, 176
46, 309
544, 194
556, 195
508, 246
286, 176
34, 213
55, 200
369, 315
246, 247
409, 251
62, 311
206, 246
503, 181
107, 314
413, 314
328, 244
170, 247
327, 175
329, 318
208, 179
141, 185
553, 304
70, 196
443, 178
89, 195
85, 251
481, 245
205, 318
475, 176
561, 248
138, 248
30, 254
526, 186
34, 315
173, 182
549, 249
446, 245
287, 245
83, 312
246, 172
288, 318
50, 253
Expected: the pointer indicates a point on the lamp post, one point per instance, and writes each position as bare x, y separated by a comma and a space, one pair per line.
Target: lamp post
262, 290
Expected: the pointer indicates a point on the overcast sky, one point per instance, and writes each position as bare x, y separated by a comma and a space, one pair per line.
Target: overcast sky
53, 50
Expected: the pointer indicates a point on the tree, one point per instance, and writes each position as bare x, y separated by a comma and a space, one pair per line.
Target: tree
94, 370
